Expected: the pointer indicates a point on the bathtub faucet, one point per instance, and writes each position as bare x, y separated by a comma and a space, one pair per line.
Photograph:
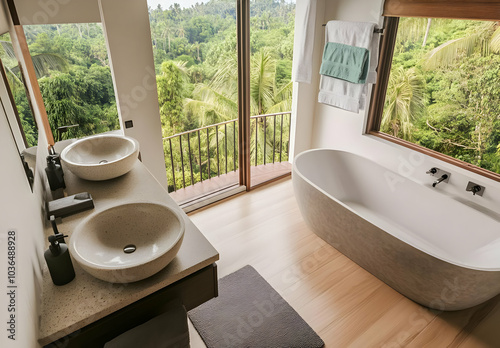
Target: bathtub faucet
441, 179
441, 174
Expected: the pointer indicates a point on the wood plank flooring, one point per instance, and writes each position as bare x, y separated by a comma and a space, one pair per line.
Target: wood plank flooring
343, 303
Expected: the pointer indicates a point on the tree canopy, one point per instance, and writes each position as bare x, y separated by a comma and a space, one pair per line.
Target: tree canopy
444, 88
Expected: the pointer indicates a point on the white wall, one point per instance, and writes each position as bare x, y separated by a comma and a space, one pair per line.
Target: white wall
21, 210
304, 94
337, 129
57, 11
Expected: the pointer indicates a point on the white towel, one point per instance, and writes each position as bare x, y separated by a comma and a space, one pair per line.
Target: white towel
304, 44
339, 93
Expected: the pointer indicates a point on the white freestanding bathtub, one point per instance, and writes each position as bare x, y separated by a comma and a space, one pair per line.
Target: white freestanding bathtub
437, 251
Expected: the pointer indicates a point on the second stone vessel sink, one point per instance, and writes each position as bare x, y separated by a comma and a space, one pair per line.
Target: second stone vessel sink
101, 157
128, 242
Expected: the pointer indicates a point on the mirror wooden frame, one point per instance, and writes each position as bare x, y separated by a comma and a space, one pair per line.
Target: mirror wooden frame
29, 76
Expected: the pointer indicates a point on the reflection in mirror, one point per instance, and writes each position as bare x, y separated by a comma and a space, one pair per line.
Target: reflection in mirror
17, 108
3, 110
19, 92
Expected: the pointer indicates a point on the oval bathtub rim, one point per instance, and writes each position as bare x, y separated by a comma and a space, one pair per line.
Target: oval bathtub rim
295, 170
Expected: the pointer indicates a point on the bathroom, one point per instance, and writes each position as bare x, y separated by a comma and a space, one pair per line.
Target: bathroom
375, 315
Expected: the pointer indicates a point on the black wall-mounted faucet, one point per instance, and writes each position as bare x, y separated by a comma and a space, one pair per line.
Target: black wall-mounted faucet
441, 174
441, 179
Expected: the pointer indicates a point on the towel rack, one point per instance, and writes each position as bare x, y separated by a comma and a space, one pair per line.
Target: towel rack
376, 30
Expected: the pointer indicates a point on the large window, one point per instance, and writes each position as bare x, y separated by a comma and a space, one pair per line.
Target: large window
71, 64
199, 50
439, 90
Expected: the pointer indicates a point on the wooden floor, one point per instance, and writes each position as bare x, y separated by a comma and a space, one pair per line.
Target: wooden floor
344, 304
259, 174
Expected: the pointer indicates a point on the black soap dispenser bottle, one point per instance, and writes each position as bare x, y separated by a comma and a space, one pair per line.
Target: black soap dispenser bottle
55, 174
58, 260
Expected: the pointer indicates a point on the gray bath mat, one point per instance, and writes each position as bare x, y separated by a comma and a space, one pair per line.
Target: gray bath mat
250, 313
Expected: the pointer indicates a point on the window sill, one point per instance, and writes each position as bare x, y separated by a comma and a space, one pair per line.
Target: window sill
456, 162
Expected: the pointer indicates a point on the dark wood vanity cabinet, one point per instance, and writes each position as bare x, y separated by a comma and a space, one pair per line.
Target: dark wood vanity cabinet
191, 290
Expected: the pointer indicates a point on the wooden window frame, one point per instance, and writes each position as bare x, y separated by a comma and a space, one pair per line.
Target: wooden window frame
243, 37
377, 102
453, 9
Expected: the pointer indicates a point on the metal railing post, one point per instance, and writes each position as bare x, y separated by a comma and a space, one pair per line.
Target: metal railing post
256, 142
281, 136
208, 153
190, 161
274, 137
265, 138
234, 146
199, 156
225, 144
288, 146
182, 163
217, 141
172, 163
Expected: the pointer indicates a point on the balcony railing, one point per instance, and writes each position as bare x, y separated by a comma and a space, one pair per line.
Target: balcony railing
203, 153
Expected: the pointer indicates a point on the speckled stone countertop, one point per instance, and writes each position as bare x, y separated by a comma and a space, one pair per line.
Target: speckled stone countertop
68, 308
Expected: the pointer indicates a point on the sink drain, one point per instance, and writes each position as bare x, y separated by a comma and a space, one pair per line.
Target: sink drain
103, 161
129, 249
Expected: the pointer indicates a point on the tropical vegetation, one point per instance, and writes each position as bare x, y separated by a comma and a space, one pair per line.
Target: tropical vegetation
444, 88
196, 63
75, 80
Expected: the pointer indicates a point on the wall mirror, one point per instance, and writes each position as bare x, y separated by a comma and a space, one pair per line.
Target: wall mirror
10, 112
19, 92
17, 107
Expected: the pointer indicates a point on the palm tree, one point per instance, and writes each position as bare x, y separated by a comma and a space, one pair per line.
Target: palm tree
427, 30
262, 73
410, 29
42, 62
484, 37
217, 100
405, 102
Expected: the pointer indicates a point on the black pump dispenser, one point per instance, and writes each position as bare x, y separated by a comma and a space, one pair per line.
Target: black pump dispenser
54, 227
58, 260
55, 247
55, 174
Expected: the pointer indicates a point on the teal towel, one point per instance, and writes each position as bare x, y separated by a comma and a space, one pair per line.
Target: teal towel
345, 62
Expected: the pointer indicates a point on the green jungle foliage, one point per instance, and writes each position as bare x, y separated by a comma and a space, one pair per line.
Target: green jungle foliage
196, 67
196, 64
200, 45
444, 89
74, 77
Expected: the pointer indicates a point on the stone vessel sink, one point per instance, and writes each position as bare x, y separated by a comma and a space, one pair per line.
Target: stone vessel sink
127, 242
101, 157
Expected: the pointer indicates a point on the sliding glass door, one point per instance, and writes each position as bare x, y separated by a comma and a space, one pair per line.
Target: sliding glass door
271, 50
224, 102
